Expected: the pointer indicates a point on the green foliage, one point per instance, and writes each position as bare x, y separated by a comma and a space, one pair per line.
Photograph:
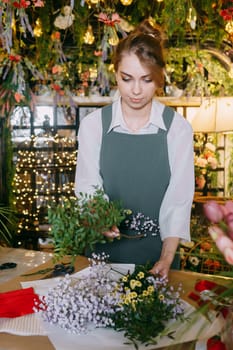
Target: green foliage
78, 223
175, 18
192, 78
7, 221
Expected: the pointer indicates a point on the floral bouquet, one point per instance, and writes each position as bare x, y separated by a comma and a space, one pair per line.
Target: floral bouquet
146, 302
138, 304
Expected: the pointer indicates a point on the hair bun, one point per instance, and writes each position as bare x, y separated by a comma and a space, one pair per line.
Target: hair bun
149, 27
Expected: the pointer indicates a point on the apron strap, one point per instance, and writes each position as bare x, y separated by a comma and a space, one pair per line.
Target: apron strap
168, 115
106, 118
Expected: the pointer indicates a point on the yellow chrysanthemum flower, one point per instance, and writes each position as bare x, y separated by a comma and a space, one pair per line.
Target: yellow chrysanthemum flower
145, 293
161, 297
127, 300
138, 284
133, 295
125, 278
140, 275
128, 211
150, 289
133, 284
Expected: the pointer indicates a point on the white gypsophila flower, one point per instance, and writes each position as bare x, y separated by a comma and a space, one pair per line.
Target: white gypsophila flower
75, 304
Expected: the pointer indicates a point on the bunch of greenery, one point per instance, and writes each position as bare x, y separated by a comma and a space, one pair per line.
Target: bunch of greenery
147, 304
78, 223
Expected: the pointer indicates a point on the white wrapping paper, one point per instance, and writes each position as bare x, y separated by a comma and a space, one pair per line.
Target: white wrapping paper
198, 327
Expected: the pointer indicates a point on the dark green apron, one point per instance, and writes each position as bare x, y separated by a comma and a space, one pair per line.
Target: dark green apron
135, 170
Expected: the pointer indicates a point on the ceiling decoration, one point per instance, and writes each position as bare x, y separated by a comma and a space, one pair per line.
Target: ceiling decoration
38, 35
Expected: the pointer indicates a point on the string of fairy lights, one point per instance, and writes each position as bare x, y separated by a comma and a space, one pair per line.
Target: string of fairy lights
44, 174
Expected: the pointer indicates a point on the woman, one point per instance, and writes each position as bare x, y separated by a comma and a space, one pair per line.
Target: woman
140, 153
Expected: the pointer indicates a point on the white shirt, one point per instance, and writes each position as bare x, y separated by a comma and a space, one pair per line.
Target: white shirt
174, 218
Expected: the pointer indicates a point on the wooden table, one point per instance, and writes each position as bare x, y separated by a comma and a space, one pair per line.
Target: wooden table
13, 342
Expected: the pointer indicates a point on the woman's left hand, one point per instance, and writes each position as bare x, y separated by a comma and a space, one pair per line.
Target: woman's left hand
113, 233
161, 267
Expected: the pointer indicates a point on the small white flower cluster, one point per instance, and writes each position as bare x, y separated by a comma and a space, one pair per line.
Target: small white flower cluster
171, 296
77, 304
142, 224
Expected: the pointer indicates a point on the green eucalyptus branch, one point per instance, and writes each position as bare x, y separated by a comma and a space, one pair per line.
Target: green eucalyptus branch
78, 223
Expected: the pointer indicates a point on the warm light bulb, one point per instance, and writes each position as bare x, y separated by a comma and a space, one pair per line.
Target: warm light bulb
88, 36
13, 24
126, 2
38, 29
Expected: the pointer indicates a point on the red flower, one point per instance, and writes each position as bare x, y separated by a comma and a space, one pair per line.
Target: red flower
56, 87
21, 4
18, 97
98, 53
14, 58
208, 262
215, 343
55, 36
227, 14
206, 246
216, 265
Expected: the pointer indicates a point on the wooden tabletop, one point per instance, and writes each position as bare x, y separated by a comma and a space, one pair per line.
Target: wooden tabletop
13, 342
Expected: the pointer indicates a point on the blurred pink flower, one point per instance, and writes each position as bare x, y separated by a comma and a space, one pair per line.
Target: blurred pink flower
213, 212
38, 3
110, 20
221, 230
223, 242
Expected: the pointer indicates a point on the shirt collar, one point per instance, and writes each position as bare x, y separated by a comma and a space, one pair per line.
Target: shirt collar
155, 117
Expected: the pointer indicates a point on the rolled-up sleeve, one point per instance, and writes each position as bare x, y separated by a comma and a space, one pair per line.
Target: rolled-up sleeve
175, 211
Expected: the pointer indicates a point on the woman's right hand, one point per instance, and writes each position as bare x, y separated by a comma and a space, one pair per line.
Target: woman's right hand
113, 233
